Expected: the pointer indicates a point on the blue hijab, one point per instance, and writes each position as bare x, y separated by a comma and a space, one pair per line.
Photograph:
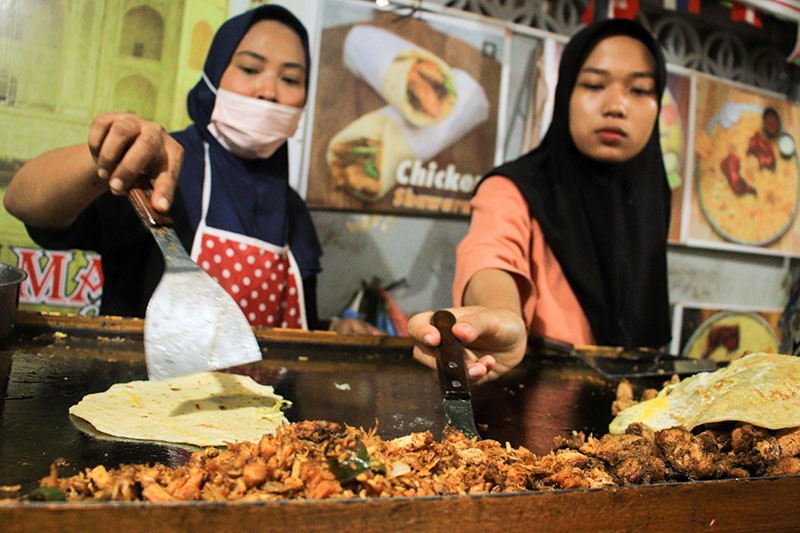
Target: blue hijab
249, 196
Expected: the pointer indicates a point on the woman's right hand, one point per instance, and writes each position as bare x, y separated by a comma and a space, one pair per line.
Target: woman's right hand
495, 339
52, 189
127, 150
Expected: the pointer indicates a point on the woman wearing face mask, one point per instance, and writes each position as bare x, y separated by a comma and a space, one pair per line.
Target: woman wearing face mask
569, 240
224, 180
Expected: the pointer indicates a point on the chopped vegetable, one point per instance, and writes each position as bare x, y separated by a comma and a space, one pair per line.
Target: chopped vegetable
46, 494
347, 463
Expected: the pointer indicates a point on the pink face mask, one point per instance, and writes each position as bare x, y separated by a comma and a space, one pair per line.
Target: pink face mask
249, 127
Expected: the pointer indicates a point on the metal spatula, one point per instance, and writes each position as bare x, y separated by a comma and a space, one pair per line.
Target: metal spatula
191, 323
617, 363
453, 379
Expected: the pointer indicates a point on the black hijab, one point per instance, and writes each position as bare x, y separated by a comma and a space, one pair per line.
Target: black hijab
607, 224
249, 196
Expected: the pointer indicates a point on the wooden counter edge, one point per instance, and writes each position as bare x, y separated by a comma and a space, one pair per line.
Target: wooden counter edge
124, 326
749, 504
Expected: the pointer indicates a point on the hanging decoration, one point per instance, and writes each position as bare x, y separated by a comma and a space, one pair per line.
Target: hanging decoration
688, 6
741, 12
605, 9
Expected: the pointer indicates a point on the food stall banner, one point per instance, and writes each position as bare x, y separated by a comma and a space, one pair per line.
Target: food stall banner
405, 116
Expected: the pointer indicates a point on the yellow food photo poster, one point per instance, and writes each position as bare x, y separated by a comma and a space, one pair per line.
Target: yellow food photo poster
405, 115
726, 334
746, 178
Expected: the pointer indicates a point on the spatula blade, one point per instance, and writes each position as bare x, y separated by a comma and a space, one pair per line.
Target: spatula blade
211, 334
453, 379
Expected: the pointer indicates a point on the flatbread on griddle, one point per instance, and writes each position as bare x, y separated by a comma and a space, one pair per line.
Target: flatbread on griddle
203, 409
762, 389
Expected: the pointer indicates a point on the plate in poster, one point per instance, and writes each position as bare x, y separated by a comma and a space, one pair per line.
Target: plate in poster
729, 335
747, 191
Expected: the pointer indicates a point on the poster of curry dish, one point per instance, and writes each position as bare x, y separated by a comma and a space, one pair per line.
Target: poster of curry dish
725, 334
746, 175
405, 115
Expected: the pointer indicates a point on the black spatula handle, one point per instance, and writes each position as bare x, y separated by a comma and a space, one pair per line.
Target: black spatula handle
451, 366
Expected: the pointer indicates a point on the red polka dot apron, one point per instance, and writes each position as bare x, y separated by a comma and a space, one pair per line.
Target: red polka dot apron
261, 277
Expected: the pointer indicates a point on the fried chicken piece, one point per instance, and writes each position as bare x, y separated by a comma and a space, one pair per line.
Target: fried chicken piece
355, 165
569, 469
255, 472
100, 477
648, 394
633, 456
786, 466
687, 455
715, 439
300, 461
755, 448
574, 441
156, 493
789, 441
722, 336
315, 431
426, 88
760, 148
318, 480
731, 168
187, 486
624, 397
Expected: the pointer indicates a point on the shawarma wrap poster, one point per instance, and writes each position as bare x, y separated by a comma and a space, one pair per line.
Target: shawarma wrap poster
405, 114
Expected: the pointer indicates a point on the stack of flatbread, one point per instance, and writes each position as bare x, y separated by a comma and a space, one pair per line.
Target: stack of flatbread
203, 409
762, 389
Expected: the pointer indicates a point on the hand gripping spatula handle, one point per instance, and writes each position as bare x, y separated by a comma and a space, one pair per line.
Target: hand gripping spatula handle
191, 323
453, 379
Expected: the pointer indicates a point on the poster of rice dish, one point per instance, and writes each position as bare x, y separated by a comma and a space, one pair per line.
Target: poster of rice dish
725, 333
405, 114
747, 179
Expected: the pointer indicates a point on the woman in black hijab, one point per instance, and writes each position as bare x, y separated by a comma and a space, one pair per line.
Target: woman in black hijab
569, 240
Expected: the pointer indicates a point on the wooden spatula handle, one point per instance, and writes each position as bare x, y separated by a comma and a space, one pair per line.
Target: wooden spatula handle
140, 198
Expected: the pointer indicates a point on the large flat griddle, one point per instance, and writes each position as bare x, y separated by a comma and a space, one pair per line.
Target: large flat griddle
53, 361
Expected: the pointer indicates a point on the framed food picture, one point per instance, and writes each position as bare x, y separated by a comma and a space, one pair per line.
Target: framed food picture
746, 188
726, 333
406, 111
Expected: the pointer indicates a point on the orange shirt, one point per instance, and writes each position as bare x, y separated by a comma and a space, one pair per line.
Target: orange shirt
502, 235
